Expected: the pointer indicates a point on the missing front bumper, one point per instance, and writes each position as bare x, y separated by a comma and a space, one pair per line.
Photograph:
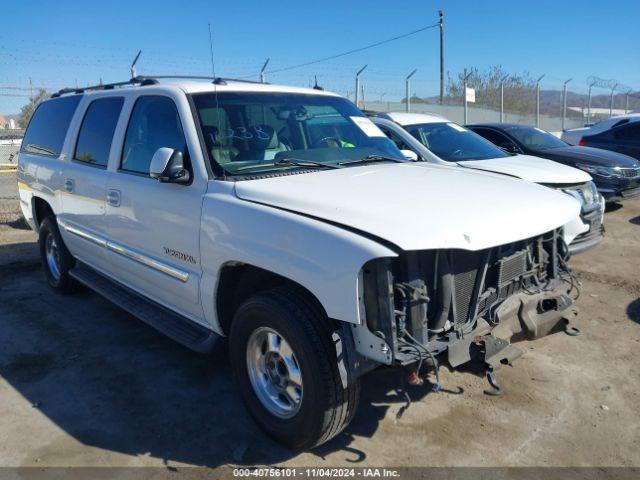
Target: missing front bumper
521, 317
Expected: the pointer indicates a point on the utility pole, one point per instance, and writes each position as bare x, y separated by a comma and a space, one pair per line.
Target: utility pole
263, 75
408, 90
538, 99
564, 101
464, 83
30, 87
589, 102
358, 82
611, 100
502, 97
441, 13
362, 95
626, 102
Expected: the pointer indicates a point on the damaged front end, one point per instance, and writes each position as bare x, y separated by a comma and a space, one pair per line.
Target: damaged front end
467, 304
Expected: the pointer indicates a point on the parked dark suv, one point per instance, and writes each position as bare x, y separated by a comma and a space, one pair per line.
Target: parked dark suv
617, 176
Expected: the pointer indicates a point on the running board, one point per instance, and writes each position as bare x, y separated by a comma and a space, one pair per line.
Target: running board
174, 326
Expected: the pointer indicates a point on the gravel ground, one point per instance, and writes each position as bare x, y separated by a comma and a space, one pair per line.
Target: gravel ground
82, 383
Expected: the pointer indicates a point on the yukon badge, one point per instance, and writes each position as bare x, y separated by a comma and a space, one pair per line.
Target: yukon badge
179, 255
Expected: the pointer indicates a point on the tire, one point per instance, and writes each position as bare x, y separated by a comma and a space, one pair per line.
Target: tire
325, 407
56, 258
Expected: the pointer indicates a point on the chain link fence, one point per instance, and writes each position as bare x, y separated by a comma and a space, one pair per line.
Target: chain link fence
10, 141
9, 199
455, 113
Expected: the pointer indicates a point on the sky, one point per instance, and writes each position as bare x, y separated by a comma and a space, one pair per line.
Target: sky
68, 42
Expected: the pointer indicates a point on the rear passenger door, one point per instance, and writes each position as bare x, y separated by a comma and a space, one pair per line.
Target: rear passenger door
154, 227
85, 179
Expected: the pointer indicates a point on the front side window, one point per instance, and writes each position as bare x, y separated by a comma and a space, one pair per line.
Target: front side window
395, 138
154, 123
495, 137
246, 132
48, 126
96, 132
454, 143
535, 138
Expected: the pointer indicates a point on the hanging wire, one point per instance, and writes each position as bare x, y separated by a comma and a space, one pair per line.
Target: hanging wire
355, 50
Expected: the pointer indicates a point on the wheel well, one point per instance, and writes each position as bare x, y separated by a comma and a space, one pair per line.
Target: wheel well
41, 210
238, 282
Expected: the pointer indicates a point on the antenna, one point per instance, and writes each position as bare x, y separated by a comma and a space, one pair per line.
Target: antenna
133, 64
213, 67
316, 86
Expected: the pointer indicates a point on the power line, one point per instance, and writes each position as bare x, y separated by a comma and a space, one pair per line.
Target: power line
355, 50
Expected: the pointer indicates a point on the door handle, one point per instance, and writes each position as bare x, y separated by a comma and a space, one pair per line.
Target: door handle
69, 185
113, 198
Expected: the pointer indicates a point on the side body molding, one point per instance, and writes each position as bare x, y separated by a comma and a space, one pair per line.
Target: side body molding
150, 262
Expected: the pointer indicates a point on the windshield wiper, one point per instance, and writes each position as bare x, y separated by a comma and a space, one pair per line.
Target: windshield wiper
291, 161
372, 159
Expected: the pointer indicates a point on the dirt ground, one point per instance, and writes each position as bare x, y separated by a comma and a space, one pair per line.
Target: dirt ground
82, 383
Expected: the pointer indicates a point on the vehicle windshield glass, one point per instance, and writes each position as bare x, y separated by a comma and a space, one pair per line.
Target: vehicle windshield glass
535, 138
454, 143
248, 132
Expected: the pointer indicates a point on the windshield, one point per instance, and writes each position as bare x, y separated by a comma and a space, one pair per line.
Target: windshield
454, 143
247, 132
535, 138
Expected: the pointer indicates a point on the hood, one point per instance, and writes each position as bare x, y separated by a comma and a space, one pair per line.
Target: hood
419, 206
591, 156
531, 169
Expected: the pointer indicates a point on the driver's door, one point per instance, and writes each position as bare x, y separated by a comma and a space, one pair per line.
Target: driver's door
153, 227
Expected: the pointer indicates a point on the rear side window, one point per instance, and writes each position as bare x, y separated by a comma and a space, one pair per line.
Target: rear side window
628, 132
48, 126
154, 123
96, 132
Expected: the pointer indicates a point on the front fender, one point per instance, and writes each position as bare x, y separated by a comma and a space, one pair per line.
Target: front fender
323, 258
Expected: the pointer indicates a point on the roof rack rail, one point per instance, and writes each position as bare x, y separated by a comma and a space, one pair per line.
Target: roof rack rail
216, 80
142, 81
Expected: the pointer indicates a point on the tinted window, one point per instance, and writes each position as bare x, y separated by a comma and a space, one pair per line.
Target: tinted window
48, 127
454, 143
154, 124
494, 137
96, 132
628, 132
395, 138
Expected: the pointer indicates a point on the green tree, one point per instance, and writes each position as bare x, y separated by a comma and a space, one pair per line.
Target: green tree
519, 90
27, 110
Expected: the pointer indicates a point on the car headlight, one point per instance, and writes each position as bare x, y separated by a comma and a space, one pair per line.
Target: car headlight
587, 194
601, 171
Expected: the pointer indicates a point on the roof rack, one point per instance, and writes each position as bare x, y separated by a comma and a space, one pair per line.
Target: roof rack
216, 80
143, 80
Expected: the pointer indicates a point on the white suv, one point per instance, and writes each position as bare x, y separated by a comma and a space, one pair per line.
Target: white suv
284, 219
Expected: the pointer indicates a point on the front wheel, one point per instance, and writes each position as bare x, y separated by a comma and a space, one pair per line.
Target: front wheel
284, 363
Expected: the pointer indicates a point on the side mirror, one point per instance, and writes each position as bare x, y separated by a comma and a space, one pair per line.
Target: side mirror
510, 148
410, 155
167, 166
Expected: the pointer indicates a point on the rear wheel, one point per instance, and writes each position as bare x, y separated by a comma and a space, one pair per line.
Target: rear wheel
56, 258
284, 363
